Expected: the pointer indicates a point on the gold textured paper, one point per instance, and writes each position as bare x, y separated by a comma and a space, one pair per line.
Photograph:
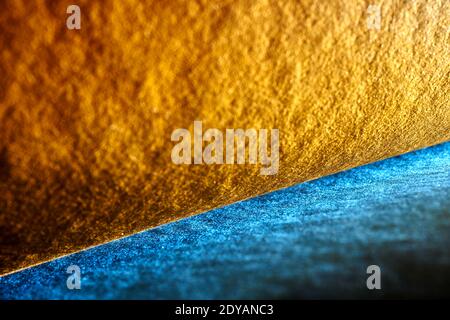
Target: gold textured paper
86, 115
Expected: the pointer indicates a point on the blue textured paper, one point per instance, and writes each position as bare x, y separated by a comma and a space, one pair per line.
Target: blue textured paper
313, 240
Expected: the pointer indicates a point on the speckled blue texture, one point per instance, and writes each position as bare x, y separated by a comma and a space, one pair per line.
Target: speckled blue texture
312, 240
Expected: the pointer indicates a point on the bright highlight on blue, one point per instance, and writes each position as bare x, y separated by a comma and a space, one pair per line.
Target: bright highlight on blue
312, 240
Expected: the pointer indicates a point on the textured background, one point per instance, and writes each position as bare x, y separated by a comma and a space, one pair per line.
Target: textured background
86, 116
312, 240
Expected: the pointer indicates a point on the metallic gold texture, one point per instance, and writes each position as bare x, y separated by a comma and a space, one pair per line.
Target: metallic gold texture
86, 115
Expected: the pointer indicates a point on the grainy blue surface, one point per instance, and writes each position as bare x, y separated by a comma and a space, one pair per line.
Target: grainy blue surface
313, 240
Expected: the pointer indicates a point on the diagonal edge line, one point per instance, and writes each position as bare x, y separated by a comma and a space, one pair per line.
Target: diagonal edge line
215, 208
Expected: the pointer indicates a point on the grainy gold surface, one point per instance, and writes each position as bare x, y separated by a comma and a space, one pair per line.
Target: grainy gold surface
86, 115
